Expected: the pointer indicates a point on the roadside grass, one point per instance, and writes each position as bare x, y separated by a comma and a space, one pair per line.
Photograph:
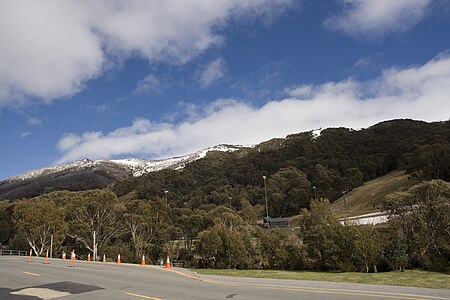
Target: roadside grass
417, 278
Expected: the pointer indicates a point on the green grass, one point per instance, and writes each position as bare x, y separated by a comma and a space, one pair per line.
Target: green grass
417, 278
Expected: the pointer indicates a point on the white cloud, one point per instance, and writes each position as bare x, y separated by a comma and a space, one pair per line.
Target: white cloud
24, 134
213, 72
303, 91
33, 121
374, 18
50, 49
419, 92
150, 84
68, 142
102, 108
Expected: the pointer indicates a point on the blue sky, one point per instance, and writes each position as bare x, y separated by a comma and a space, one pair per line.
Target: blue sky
155, 79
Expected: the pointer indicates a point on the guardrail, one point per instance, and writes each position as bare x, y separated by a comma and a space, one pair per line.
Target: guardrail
14, 252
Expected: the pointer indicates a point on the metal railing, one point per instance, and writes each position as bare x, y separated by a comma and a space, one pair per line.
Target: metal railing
14, 252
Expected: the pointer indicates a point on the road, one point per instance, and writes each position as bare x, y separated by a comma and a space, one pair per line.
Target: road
20, 279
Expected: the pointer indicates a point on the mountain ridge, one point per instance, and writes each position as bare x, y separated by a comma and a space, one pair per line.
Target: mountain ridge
94, 173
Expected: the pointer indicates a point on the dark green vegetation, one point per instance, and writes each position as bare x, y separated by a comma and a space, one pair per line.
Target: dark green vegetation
211, 209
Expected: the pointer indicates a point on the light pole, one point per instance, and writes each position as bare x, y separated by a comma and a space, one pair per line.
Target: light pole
167, 202
343, 196
265, 195
315, 193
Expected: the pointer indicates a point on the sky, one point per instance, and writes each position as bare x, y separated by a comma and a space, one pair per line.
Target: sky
155, 79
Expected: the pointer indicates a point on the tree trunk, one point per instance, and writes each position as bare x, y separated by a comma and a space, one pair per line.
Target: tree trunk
94, 246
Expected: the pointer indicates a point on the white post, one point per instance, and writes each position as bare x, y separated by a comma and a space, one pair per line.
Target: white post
95, 247
51, 246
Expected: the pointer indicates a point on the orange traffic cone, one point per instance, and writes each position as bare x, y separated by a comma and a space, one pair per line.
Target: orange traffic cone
168, 262
31, 252
64, 256
118, 258
46, 257
143, 261
89, 257
104, 258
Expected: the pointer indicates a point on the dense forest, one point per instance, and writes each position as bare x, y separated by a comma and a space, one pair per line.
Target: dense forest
209, 213
301, 167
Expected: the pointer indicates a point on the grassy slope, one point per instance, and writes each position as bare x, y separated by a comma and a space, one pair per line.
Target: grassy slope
368, 197
416, 278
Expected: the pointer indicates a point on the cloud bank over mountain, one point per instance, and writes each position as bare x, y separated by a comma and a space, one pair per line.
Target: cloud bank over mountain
418, 92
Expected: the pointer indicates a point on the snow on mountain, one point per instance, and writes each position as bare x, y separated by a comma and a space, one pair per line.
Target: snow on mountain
135, 166
140, 167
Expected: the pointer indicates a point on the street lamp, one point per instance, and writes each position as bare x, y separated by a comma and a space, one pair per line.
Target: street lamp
315, 193
345, 201
265, 195
167, 202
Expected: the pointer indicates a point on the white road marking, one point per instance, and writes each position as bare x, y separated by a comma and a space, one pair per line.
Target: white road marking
42, 293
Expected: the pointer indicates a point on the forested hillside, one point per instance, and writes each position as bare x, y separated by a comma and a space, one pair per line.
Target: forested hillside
208, 213
302, 167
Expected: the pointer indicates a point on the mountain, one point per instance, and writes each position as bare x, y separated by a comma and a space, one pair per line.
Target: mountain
298, 168
90, 174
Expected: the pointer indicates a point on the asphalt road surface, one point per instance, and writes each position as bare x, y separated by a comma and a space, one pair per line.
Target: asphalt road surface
20, 279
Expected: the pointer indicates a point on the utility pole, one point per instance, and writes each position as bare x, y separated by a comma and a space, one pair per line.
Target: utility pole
345, 201
315, 193
267, 207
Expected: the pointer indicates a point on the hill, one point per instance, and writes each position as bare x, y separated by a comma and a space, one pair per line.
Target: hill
368, 198
298, 168
89, 174
212, 205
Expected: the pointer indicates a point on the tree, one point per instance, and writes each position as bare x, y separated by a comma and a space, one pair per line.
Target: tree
95, 218
192, 224
422, 214
289, 191
209, 244
397, 250
37, 220
320, 230
274, 248
369, 247
226, 217
6, 224
136, 222
248, 212
433, 161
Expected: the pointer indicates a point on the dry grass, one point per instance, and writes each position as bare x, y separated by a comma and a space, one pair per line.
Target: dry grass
369, 197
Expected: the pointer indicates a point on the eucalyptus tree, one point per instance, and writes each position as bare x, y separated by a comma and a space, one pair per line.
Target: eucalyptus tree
40, 220
422, 214
95, 218
289, 191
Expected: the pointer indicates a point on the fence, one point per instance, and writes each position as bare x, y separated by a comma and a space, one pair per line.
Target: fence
14, 252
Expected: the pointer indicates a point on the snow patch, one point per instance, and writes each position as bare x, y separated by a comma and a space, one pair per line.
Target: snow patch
135, 166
